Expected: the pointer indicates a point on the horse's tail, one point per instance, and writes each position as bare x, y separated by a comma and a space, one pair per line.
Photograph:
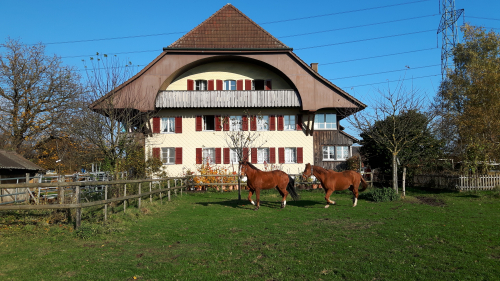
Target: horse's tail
291, 188
363, 183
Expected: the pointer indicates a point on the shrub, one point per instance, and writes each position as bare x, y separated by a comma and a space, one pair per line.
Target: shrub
380, 195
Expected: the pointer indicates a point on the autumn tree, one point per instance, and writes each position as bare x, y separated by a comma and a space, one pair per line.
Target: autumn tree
469, 99
38, 95
394, 122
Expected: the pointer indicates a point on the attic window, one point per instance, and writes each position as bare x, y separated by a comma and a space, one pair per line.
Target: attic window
230, 85
201, 85
259, 84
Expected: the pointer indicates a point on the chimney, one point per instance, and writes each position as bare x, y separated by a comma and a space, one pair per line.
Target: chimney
314, 66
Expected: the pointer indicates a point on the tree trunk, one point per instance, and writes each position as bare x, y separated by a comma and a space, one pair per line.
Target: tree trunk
395, 172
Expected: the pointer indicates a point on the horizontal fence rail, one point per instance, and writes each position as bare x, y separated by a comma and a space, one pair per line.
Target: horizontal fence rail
459, 182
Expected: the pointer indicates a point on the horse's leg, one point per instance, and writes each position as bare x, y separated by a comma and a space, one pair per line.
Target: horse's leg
355, 194
327, 197
257, 199
250, 193
284, 194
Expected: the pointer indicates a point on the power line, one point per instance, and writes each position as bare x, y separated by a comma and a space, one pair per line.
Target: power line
357, 26
361, 40
112, 38
391, 81
345, 12
482, 18
389, 71
79, 56
387, 55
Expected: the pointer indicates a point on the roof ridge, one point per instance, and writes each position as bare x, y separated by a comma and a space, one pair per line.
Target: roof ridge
192, 32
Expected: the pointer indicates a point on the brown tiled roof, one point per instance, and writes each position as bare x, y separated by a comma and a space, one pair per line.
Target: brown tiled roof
228, 28
12, 160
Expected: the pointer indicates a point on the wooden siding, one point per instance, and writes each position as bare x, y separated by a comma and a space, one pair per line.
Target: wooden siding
218, 99
329, 138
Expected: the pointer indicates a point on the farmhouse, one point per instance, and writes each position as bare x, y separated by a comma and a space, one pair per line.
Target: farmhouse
229, 74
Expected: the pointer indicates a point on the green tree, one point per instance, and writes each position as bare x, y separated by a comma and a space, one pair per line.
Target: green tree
469, 99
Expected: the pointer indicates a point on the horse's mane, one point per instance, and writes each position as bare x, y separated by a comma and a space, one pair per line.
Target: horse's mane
320, 169
251, 165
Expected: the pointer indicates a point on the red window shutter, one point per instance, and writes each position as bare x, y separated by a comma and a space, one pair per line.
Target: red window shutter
199, 156
248, 84
218, 85
178, 155
272, 155
300, 156
210, 85
157, 152
239, 85
268, 85
299, 122
272, 123
254, 155
199, 120
281, 124
244, 122
218, 126
245, 154
253, 123
156, 125
178, 125
226, 123
190, 85
226, 155
281, 155
218, 155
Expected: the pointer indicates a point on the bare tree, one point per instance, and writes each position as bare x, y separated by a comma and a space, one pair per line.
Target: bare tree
38, 95
390, 123
116, 131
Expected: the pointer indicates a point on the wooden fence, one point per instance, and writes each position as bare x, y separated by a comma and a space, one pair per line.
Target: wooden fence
458, 182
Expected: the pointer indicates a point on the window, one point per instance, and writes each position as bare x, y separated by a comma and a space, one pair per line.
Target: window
233, 156
289, 121
339, 153
230, 85
201, 85
290, 155
208, 122
168, 125
235, 123
342, 152
258, 85
168, 155
263, 123
325, 121
208, 155
262, 155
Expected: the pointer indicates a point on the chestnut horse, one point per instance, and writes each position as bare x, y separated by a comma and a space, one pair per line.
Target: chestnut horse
336, 181
258, 180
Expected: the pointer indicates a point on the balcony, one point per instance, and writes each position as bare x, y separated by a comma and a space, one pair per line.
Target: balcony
227, 99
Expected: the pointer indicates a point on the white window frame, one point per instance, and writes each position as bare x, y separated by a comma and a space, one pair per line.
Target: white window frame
288, 124
229, 84
290, 155
262, 123
204, 120
233, 156
341, 153
208, 155
200, 85
168, 155
235, 123
263, 155
330, 153
320, 121
167, 125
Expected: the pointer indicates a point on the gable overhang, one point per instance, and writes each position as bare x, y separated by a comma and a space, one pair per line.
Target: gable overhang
315, 91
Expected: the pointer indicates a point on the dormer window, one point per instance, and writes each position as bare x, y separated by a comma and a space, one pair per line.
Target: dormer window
230, 85
259, 84
201, 85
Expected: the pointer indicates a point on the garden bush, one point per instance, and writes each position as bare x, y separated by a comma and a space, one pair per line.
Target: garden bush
384, 194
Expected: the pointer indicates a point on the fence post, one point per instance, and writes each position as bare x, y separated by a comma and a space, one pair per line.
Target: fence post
140, 185
150, 195
404, 182
168, 192
27, 189
106, 204
125, 200
61, 194
175, 185
78, 213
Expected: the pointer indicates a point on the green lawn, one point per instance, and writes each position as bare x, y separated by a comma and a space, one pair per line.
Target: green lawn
213, 236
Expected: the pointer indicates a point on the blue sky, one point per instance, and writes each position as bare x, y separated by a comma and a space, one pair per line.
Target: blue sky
355, 32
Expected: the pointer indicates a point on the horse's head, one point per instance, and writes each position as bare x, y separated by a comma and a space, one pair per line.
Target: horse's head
243, 168
307, 172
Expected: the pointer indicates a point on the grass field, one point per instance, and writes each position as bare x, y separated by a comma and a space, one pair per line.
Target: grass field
213, 236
